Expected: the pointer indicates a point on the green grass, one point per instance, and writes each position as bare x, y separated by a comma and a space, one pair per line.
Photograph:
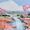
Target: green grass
28, 16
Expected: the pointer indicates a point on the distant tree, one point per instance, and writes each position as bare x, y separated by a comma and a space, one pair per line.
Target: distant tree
21, 16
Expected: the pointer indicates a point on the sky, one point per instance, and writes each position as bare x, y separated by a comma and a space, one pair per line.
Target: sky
13, 5
10, 5
3, 1
22, 2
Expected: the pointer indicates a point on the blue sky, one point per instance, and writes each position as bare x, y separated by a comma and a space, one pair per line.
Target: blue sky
22, 2
13, 4
3, 1
18, 2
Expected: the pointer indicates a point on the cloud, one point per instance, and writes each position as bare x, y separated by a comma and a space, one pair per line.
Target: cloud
11, 5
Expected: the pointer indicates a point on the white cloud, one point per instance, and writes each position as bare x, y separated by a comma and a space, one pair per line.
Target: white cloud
11, 6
